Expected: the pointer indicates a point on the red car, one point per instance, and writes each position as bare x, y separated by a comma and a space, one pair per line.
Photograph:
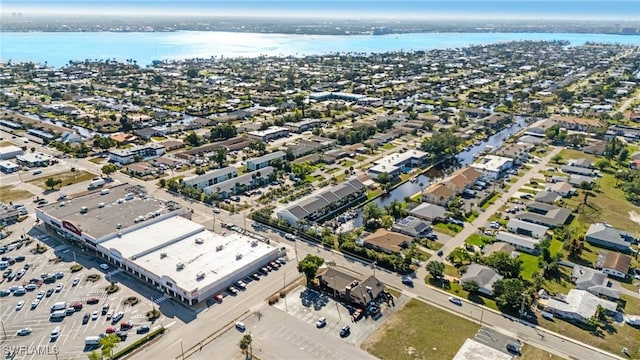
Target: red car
218, 298
93, 300
125, 325
110, 330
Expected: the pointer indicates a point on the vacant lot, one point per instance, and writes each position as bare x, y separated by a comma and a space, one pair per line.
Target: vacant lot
68, 178
9, 193
420, 331
533, 353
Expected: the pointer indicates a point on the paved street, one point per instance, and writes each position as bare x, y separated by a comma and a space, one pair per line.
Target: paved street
484, 216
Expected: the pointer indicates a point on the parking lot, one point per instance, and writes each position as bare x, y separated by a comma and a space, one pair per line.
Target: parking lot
85, 320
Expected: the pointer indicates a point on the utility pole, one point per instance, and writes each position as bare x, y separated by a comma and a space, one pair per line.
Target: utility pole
181, 349
284, 283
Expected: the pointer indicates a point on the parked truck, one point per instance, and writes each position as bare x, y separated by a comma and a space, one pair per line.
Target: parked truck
96, 183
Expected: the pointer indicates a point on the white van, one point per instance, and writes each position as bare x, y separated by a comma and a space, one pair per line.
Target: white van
59, 306
92, 340
59, 314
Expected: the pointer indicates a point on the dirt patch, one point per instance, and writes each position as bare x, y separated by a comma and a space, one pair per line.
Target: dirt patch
634, 216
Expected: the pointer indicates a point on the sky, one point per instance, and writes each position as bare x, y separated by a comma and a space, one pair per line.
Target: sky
350, 9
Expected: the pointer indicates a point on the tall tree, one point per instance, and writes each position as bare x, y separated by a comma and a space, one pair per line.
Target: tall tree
435, 269
245, 345
309, 266
510, 293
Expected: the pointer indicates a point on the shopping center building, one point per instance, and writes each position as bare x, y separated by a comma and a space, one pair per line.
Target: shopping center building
155, 241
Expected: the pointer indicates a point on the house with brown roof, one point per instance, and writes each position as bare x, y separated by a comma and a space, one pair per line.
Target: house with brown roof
438, 194
462, 179
387, 241
616, 264
576, 123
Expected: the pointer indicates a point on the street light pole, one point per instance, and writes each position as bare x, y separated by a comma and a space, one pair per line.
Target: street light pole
181, 349
284, 283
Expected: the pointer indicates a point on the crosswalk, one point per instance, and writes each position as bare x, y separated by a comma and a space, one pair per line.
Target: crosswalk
113, 272
160, 299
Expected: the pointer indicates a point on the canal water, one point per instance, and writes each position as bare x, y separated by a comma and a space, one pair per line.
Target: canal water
463, 158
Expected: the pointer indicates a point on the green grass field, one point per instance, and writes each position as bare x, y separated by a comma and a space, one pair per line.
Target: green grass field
68, 178
411, 334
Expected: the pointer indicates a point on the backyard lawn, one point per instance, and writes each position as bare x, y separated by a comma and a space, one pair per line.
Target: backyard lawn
478, 240
9, 193
449, 229
529, 265
68, 178
409, 334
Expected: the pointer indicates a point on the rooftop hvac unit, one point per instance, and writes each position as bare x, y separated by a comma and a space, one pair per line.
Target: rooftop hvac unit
138, 219
180, 266
238, 256
219, 247
163, 255
254, 243
200, 275
84, 210
101, 205
199, 241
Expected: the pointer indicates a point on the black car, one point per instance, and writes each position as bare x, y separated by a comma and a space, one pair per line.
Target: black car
142, 329
49, 280
122, 335
20, 258
49, 292
345, 331
255, 276
85, 318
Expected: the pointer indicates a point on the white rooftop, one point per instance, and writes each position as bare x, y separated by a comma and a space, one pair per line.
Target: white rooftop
269, 130
146, 239
215, 255
395, 160
491, 163
473, 350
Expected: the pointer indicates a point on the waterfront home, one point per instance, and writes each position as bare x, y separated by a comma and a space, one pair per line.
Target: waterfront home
397, 163
493, 167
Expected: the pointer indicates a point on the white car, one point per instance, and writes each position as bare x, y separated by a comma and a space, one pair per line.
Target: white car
35, 303
104, 266
20, 305
455, 300
95, 315
41, 294
75, 282
24, 332
240, 326
59, 287
321, 322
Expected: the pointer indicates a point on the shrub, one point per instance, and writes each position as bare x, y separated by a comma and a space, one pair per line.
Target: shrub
273, 300
76, 268
153, 314
93, 277
111, 289
131, 300
138, 343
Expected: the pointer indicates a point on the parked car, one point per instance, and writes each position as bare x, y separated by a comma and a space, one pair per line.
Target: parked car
104, 266
345, 331
20, 305
24, 331
75, 282
117, 317
407, 281
322, 322
142, 329
110, 330
240, 326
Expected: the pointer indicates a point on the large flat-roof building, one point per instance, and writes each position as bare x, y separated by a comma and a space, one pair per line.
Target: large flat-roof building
150, 239
493, 167
211, 178
144, 152
260, 162
271, 133
10, 152
35, 159
395, 163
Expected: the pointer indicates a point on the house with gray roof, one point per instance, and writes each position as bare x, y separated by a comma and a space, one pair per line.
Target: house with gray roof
527, 229
484, 276
579, 305
322, 205
545, 214
576, 180
569, 169
583, 163
594, 281
608, 237
547, 197
521, 243
429, 212
260, 162
412, 226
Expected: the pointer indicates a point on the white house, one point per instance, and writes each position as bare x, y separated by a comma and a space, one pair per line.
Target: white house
527, 228
493, 167
578, 305
211, 178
